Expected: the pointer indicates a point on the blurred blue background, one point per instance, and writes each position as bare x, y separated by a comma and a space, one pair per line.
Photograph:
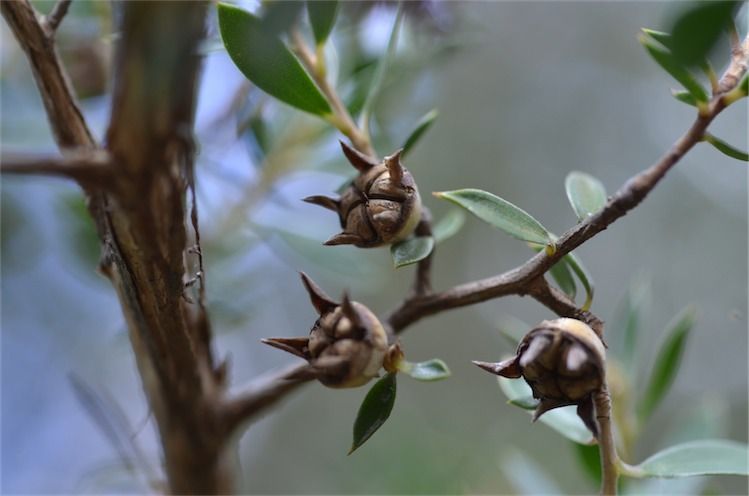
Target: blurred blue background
526, 92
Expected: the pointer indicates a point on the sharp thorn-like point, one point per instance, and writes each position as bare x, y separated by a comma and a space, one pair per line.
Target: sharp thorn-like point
343, 239
295, 346
349, 310
393, 163
361, 162
323, 201
317, 296
506, 368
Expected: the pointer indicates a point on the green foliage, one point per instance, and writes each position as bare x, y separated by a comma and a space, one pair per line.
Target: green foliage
698, 29
411, 250
561, 273
526, 476
667, 361
448, 226
431, 370
706, 457
635, 302
589, 457
684, 97
267, 62
499, 213
322, 15
421, 128
586, 194
374, 410
725, 148
576, 265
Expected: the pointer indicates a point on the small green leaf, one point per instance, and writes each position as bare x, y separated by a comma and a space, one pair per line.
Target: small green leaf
267, 62
374, 410
665, 59
659, 36
589, 459
448, 226
499, 213
707, 457
411, 250
421, 128
563, 420
524, 402
278, 17
667, 361
684, 97
583, 276
586, 194
322, 14
634, 305
560, 272
431, 370
698, 29
744, 84
725, 148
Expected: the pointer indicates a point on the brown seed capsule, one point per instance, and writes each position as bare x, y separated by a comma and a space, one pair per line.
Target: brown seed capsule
563, 361
381, 205
347, 344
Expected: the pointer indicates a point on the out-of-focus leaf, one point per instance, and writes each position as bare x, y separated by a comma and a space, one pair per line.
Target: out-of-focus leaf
448, 226
526, 476
279, 16
589, 459
586, 194
583, 276
374, 410
659, 36
83, 237
379, 77
629, 319
667, 361
684, 97
563, 420
526, 402
725, 148
499, 213
698, 29
665, 59
322, 14
706, 457
411, 250
421, 127
513, 329
431, 370
267, 62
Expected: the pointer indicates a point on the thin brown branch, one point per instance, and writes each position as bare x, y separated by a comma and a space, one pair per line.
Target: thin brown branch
52, 21
92, 168
609, 458
559, 303
423, 280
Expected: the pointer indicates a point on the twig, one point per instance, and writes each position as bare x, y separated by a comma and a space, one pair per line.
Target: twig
53, 20
93, 168
423, 281
609, 458
558, 302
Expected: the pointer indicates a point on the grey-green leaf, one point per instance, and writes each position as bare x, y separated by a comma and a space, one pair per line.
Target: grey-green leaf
499, 213
267, 62
524, 402
411, 250
448, 226
696, 31
563, 420
666, 60
725, 148
667, 361
684, 97
586, 194
630, 317
513, 329
589, 459
431, 370
421, 128
374, 410
707, 457
322, 15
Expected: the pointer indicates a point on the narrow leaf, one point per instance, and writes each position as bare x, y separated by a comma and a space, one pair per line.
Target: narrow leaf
684, 97
499, 213
667, 361
421, 128
526, 476
267, 62
431, 370
634, 305
374, 410
513, 329
586, 194
560, 272
278, 17
379, 77
583, 276
725, 148
664, 58
707, 457
696, 31
322, 15
411, 250
563, 420
589, 459
448, 226
659, 36
524, 402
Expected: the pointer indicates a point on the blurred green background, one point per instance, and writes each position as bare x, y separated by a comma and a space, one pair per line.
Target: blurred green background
526, 92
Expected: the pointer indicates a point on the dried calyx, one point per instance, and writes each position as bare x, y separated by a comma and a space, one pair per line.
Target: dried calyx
381, 205
347, 344
563, 361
